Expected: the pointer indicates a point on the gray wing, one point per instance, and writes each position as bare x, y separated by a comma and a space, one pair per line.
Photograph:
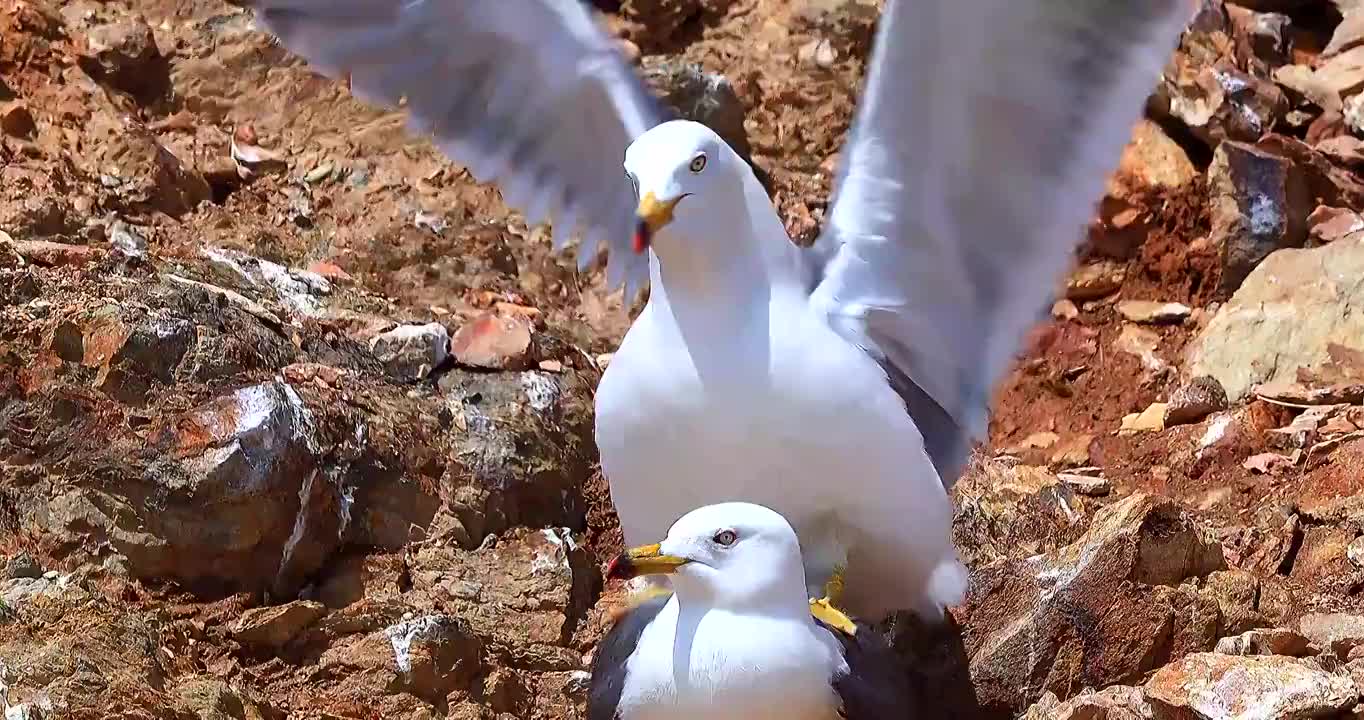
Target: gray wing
530, 94
877, 684
613, 652
978, 154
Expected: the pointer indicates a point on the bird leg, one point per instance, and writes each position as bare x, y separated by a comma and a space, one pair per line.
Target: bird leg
823, 608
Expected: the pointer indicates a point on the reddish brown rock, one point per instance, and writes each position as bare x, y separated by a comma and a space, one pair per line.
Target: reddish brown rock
44, 252
1032, 622
494, 341
1260, 203
274, 627
1215, 685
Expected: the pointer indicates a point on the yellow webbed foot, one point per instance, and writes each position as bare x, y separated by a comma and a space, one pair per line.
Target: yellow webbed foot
825, 612
823, 608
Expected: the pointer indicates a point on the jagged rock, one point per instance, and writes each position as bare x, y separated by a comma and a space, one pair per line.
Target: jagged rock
522, 453
16, 120
1349, 34
1195, 400
22, 565
1260, 203
297, 290
1329, 224
1287, 317
1212, 685
1338, 632
250, 455
123, 54
1203, 89
434, 654
411, 352
1264, 39
1035, 625
142, 173
696, 95
1276, 641
1119, 702
212, 699
545, 573
1238, 595
274, 627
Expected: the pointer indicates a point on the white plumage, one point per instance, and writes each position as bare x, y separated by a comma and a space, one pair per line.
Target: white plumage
841, 385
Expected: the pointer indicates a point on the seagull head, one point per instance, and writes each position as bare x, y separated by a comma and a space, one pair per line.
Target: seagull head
684, 175
734, 556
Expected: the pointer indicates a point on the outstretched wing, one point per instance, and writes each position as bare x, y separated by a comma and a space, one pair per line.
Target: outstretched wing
978, 154
530, 94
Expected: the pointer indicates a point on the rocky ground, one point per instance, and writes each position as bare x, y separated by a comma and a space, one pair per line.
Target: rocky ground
295, 419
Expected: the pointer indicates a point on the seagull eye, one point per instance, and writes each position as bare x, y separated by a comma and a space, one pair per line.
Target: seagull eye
634, 183
725, 538
698, 163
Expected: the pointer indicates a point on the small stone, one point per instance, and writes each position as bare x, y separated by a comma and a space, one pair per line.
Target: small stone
274, 627
1089, 485
1152, 419
1093, 281
604, 359
411, 352
495, 342
1331, 224
1064, 309
330, 270
1195, 400
1276, 641
1142, 342
1153, 313
553, 366
22, 565
1355, 551
319, 173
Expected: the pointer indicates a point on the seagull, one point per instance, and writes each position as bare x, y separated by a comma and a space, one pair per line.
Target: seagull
735, 639
843, 384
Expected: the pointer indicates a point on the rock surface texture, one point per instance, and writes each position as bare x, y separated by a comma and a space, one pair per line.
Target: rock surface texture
295, 419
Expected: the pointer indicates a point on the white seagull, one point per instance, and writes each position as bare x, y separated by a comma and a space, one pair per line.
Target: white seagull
736, 639
840, 385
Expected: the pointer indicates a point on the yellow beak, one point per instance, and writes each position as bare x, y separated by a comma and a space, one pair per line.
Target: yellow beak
643, 560
655, 213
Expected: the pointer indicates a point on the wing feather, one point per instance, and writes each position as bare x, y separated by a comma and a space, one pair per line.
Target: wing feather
978, 154
530, 94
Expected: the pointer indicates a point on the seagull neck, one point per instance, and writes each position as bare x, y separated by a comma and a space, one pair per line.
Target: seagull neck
786, 600
731, 266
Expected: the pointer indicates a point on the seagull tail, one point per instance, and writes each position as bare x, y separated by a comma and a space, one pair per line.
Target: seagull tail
946, 586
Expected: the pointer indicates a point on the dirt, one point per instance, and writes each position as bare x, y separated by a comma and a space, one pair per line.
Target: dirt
412, 509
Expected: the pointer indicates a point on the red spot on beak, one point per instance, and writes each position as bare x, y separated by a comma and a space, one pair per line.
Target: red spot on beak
642, 237
616, 569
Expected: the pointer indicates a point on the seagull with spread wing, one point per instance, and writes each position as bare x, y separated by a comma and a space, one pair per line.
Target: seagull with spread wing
840, 385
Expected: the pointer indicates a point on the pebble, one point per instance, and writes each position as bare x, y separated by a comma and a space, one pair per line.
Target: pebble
1153, 313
